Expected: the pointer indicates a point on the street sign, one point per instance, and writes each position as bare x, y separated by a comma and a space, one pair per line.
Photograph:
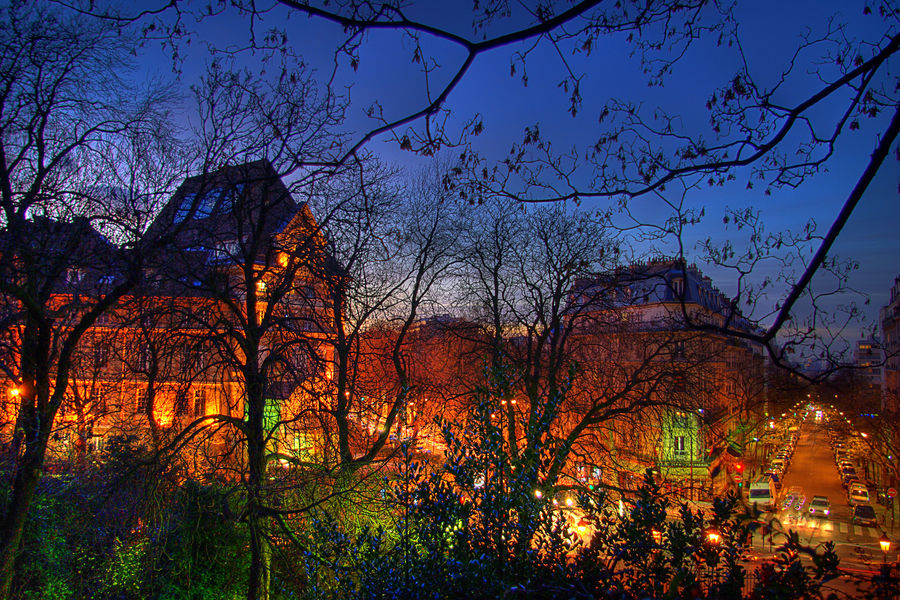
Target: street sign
737, 477
892, 492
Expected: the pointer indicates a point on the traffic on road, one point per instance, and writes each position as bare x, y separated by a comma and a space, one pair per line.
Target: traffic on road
813, 485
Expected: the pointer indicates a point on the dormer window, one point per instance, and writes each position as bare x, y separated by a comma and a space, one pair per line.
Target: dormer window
678, 286
218, 199
74, 275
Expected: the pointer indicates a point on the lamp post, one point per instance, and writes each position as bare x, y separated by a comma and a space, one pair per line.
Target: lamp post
713, 538
885, 542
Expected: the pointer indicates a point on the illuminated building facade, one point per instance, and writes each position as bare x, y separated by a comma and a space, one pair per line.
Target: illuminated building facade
697, 394
231, 291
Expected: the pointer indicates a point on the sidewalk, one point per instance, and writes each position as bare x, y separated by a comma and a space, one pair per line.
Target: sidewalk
888, 521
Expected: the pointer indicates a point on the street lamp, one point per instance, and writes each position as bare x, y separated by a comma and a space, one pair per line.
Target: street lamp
657, 536
885, 542
582, 526
713, 536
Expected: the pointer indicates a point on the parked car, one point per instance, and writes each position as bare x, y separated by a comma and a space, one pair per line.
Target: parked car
864, 514
848, 475
857, 493
845, 464
820, 507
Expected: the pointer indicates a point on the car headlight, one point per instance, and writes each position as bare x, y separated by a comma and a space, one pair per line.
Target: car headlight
826, 511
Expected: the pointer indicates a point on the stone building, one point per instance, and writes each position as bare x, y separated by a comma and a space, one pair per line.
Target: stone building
705, 390
229, 304
890, 331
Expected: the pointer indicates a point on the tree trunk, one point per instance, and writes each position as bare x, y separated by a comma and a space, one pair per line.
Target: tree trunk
80, 445
23, 489
260, 552
260, 560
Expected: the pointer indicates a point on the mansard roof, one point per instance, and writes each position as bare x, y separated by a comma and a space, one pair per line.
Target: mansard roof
70, 255
226, 204
228, 217
657, 281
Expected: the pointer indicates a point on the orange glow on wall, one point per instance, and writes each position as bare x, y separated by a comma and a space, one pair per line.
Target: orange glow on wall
163, 417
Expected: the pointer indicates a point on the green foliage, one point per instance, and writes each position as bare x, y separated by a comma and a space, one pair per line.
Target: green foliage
474, 526
486, 522
115, 531
787, 576
124, 570
198, 552
44, 560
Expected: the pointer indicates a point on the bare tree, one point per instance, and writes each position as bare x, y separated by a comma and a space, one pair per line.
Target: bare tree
396, 247
71, 129
770, 130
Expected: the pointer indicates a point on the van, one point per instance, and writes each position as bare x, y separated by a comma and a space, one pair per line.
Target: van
762, 493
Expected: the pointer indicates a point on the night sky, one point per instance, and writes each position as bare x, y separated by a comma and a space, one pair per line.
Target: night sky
770, 32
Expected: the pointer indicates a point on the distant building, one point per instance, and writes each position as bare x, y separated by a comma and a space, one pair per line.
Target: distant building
869, 360
710, 392
890, 330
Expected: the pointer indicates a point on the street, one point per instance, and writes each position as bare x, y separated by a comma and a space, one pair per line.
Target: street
813, 469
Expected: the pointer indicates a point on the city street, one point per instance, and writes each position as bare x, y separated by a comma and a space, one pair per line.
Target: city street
813, 469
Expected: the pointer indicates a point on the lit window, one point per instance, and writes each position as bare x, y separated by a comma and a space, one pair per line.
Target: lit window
140, 402
199, 403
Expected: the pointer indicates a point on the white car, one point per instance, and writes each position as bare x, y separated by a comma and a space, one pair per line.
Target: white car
819, 506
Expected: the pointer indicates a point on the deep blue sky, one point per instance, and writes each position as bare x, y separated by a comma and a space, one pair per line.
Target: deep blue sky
769, 30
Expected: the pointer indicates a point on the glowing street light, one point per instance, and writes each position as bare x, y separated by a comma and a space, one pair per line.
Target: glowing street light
582, 526
885, 542
538, 494
713, 536
657, 536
